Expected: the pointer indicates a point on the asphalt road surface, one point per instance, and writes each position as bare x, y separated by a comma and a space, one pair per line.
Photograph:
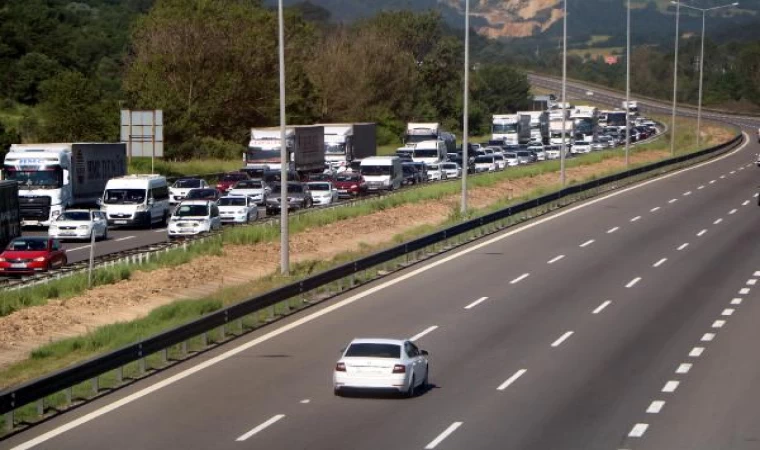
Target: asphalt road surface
624, 322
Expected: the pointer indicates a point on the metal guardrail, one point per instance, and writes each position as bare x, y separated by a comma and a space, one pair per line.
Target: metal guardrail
298, 294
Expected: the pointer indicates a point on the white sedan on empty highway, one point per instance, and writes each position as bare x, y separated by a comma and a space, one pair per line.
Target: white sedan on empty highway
381, 364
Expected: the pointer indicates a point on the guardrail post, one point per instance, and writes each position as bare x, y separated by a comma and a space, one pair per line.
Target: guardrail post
184, 348
240, 325
69, 396
222, 333
9, 421
141, 366
204, 340
164, 356
120, 374
41, 407
271, 313
95, 386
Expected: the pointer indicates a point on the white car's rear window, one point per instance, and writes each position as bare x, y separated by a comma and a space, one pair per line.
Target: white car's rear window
370, 350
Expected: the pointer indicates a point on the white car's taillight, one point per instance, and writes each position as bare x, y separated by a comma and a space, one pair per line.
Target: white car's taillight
399, 368
340, 367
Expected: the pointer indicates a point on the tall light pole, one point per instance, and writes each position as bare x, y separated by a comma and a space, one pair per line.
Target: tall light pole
702, 59
563, 148
284, 157
465, 119
627, 82
675, 85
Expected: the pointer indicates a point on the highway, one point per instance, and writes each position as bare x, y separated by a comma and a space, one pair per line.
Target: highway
624, 322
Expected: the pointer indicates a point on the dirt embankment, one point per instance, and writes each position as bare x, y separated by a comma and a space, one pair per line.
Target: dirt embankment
27, 329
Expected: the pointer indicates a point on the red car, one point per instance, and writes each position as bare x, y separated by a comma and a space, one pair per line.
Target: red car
28, 255
350, 185
229, 179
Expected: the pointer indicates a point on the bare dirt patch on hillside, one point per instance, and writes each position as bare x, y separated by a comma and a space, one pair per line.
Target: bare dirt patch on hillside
127, 300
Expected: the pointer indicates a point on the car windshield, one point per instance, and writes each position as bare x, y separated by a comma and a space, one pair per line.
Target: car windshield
335, 149
26, 244
319, 186
37, 179
292, 189
450, 166
523, 154
187, 184
191, 211
347, 178
426, 153
375, 170
484, 160
433, 167
77, 216
248, 184
124, 196
234, 177
201, 193
232, 201
510, 155
370, 350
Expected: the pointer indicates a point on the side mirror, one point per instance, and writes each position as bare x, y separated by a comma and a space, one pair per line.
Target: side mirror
150, 202
99, 202
424, 352
342, 350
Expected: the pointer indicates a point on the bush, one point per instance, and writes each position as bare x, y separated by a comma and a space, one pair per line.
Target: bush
206, 148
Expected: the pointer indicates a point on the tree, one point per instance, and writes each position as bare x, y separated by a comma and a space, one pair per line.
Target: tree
73, 109
32, 69
501, 89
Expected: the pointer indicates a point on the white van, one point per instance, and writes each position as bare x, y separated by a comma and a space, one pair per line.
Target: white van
137, 200
429, 152
382, 172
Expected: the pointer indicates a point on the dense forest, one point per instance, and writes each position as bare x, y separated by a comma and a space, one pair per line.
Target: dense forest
211, 65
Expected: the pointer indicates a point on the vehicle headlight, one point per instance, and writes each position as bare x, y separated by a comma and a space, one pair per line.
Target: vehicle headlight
354, 186
141, 208
2, 259
39, 259
386, 182
242, 211
84, 227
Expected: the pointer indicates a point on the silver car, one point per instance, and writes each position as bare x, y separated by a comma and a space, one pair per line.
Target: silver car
79, 224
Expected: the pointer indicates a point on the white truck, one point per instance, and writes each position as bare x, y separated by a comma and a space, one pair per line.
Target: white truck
504, 128
585, 121
428, 131
305, 144
556, 132
539, 125
632, 107
53, 177
347, 142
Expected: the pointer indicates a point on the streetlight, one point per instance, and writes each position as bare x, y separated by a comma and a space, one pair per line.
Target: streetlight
627, 82
675, 85
465, 124
702, 56
284, 244
563, 149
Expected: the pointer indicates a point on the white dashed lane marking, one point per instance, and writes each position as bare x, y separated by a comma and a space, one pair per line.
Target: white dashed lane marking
638, 430
683, 246
654, 209
562, 339
633, 282
671, 386
660, 262
733, 211
555, 259
587, 243
718, 324
696, 352
717, 221
612, 230
701, 233
601, 307
476, 303
655, 407
727, 312
672, 200
520, 278
708, 337
635, 218
683, 368
511, 380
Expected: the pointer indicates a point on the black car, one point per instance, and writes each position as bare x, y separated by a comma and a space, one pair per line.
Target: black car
410, 173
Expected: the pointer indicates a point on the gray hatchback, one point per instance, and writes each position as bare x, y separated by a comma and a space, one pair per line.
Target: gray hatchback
298, 196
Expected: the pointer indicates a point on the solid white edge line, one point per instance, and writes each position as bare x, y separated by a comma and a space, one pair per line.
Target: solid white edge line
655, 407
452, 428
511, 379
638, 430
633, 282
520, 278
562, 339
78, 248
660, 262
555, 259
684, 368
476, 303
260, 427
601, 307
160, 230
671, 386
124, 238
345, 302
423, 333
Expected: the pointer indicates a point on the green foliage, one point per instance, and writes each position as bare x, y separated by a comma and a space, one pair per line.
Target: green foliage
501, 88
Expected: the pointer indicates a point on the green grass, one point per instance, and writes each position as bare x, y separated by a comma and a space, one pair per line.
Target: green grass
184, 168
62, 353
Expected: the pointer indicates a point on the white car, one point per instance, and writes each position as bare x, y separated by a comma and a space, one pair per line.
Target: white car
237, 209
382, 364
452, 170
485, 163
323, 193
500, 160
178, 190
79, 224
435, 172
194, 217
256, 189
580, 147
511, 159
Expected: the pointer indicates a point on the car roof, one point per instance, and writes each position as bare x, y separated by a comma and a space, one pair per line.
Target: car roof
378, 341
